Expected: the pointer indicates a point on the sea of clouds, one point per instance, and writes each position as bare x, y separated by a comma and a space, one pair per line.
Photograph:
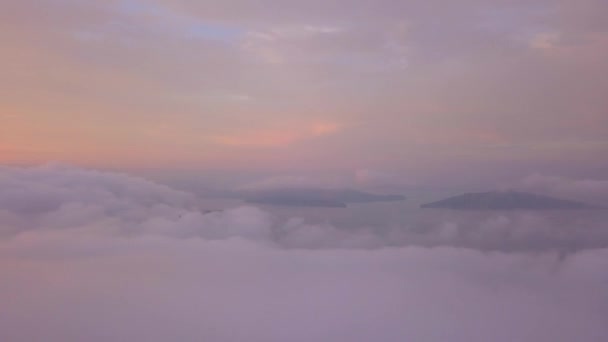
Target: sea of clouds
97, 256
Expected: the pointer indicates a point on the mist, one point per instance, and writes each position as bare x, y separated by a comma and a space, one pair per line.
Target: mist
98, 256
291, 170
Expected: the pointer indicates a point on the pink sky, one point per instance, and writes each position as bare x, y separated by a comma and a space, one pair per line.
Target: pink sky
385, 85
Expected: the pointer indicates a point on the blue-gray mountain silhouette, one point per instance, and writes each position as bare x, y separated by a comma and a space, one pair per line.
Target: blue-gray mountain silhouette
316, 197
506, 200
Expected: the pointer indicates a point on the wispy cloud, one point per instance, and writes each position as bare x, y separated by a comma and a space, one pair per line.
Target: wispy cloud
278, 137
458, 81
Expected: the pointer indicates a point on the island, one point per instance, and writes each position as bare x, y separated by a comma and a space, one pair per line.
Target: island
335, 198
506, 200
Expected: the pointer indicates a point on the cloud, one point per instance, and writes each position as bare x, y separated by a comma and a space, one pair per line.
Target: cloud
98, 256
284, 137
544, 40
428, 81
57, 198
161, 289
359, 49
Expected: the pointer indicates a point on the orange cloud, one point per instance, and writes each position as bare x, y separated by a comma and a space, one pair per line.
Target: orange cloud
258, 139
279, 137
325, 128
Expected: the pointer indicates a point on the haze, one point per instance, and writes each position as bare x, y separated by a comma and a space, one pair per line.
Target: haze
416, 87
219, 171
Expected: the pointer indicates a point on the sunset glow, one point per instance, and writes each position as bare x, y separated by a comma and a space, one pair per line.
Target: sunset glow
303, 170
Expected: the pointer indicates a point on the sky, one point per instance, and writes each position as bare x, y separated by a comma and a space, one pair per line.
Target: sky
123, 122
423, 88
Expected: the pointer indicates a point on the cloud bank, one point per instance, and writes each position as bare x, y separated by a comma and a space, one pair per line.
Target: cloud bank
61, 198
93, 256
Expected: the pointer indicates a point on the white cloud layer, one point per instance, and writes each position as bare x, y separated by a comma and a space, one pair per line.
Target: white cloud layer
92, 256
53, 198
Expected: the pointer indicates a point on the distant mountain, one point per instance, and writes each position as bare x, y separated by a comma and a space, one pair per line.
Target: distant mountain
505, 200
316, 197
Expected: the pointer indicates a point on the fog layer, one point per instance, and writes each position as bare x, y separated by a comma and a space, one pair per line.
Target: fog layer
91, 256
